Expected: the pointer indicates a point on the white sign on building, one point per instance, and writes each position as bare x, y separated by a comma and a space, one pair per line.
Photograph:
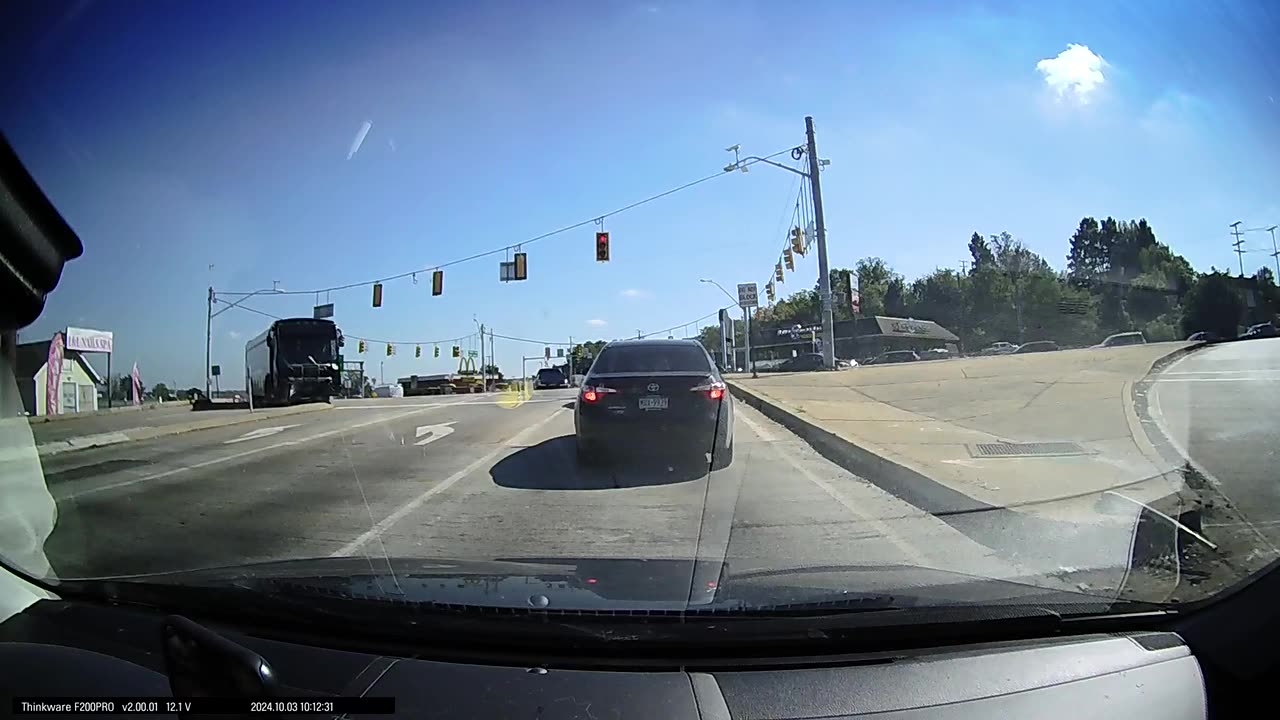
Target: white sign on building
85, 340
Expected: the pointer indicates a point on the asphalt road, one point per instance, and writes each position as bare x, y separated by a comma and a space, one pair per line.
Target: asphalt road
1220, 407
476, 477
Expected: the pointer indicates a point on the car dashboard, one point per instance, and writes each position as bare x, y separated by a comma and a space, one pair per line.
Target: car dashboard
75, 649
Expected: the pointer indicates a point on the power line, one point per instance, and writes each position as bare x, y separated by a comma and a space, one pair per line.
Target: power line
691, 322
594, 219
362, 337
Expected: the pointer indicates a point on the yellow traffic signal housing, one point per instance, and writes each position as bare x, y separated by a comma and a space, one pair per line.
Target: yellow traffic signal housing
377, 294
602, 247
361, 347
457, 351
789, 258
437, 282
777, 272
388, 349
417, 351
797, 240
522, 266
435, 351
768, 290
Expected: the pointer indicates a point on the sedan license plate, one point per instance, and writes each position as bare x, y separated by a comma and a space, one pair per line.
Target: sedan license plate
653, 403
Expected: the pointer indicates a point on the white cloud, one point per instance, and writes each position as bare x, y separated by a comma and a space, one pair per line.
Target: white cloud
597, 322
358, 140
634, 293
1075, 72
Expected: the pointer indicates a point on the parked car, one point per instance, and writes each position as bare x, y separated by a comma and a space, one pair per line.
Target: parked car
1261, 330
894, 356
1122, 339
1036, 346
998, 348
654, 397
801, 363
934, 354
550, 378
1204, 336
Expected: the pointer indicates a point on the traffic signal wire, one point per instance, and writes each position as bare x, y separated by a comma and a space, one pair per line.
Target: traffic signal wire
362, 337
507, 248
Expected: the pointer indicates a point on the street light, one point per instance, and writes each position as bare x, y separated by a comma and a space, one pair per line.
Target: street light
746, 323
210, 315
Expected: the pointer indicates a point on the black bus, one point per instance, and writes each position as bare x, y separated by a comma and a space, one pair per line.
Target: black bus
294, 360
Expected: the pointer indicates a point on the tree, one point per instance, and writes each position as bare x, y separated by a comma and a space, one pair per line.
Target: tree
161, 391
1213, 305
873, 281
1086, 260
492, 371
980, 252
895, 297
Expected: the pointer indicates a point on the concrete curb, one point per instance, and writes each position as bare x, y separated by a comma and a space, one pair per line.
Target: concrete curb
889, 475
911, 485
145, 407
85, 442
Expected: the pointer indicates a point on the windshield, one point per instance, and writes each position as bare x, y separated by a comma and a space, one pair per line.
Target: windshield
297, 348
592, 268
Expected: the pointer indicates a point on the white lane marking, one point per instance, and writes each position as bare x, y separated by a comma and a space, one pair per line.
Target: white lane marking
433, 432
1252, 379
465, 403
233, 456
1219, 372
886, 532
399, 514
261, 433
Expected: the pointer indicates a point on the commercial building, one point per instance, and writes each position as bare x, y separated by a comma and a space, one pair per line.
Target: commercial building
856, 339
76, 392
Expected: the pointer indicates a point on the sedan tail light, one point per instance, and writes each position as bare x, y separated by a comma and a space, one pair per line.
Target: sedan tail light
713, 388
592, 393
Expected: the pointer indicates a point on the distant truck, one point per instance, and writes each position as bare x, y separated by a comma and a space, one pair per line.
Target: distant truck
294, 360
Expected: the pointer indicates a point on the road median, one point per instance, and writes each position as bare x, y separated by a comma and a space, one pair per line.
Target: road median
199, 421
1052, 436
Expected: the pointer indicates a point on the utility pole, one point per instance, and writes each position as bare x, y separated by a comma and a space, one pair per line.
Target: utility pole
1235, 230
964, 267
492, 355
208, 330
824, 274
1274, 253
483, 385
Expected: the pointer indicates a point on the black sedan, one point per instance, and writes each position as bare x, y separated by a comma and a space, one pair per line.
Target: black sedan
653, 397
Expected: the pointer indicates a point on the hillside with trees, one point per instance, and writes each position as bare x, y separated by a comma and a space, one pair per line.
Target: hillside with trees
1118, 277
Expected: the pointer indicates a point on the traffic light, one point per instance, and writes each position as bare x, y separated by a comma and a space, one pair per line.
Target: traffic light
361, 347
789, 258
777, 272
435, 351
377, 294
417, 351
768, 290
457, 351
522, 266
602, 247
437, 282
797, 240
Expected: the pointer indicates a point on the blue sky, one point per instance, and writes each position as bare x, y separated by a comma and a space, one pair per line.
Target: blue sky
177, 136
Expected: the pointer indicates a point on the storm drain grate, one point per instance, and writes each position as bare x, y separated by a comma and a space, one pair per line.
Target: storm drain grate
1031, 449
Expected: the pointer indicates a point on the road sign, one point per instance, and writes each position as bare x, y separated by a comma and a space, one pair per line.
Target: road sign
322, 311
472, 353
215, 370
747, 295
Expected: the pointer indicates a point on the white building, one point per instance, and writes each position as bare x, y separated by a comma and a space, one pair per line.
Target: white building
78, 391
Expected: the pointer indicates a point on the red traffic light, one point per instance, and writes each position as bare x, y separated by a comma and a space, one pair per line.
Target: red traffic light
602, 247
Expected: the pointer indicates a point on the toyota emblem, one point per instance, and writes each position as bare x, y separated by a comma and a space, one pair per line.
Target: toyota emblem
653, 387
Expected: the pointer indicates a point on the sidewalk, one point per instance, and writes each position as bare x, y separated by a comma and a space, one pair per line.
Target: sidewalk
938, 433
98, 429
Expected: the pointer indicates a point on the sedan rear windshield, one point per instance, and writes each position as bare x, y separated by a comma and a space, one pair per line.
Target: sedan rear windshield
550, 375
652, 358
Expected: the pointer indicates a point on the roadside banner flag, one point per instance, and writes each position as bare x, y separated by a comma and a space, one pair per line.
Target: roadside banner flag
53, 376
137, 385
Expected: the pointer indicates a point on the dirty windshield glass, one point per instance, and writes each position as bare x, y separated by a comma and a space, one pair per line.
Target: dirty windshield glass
979, 278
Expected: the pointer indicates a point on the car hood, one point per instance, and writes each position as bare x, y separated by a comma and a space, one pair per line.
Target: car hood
625, 584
